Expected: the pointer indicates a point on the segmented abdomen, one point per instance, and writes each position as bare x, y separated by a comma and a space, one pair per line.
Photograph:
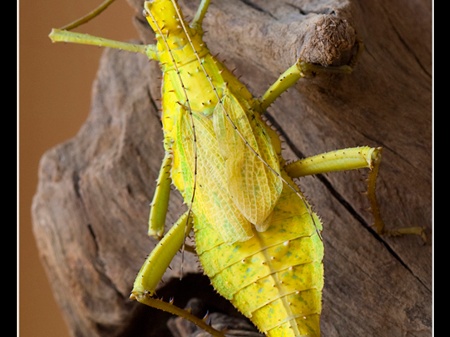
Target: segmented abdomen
276, 277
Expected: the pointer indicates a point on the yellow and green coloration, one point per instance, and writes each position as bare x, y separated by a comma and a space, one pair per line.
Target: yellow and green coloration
256, 236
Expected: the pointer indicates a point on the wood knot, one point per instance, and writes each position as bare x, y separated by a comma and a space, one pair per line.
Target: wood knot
331, 41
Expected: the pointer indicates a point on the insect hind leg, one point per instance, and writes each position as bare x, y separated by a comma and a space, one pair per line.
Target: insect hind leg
154, 267
351, 159
174, 310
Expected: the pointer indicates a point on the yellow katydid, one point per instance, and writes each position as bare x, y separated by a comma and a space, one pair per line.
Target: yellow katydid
256, 236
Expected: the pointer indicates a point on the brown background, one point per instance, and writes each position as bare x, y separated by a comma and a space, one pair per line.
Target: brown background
54, 98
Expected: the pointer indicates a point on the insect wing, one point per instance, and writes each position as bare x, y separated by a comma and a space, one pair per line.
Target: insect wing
212, 203
251, 163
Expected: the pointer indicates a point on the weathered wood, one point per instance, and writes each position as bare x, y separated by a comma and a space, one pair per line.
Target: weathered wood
91, 208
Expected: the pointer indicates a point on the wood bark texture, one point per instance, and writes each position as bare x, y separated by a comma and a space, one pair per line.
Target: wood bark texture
91, 207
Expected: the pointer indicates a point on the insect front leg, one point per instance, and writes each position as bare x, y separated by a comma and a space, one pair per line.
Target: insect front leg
64, 34
351, 159
201, 11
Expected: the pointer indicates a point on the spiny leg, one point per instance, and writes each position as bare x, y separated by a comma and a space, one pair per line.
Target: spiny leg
154, 268
351, 159
158, 261
65, 35
59, 35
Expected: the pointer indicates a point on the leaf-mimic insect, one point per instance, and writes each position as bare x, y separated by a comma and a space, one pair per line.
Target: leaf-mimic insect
256, 236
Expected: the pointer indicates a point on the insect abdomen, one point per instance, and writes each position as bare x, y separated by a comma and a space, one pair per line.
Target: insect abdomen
276, 277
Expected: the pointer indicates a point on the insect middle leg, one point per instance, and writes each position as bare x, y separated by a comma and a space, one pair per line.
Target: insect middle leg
350, 159
160, 202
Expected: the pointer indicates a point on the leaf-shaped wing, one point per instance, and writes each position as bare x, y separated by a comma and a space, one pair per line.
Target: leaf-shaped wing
212, 202
251, 163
